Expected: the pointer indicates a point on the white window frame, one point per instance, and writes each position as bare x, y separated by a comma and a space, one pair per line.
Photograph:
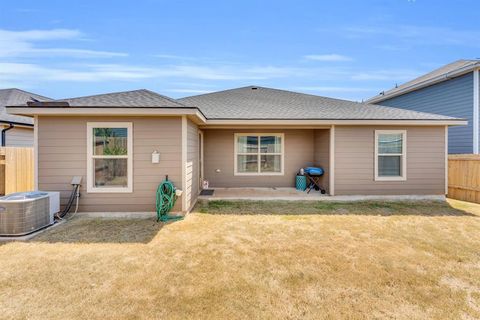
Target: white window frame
403, 155
259, 173
90, 157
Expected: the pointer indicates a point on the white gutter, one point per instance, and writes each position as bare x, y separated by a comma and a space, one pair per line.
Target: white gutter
425, 83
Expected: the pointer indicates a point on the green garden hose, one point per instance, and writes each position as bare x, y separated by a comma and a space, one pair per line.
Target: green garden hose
166, 198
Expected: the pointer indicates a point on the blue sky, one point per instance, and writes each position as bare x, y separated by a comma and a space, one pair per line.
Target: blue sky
343, 49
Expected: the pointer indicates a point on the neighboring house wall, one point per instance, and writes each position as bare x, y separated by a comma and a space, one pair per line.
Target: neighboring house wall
18, 137
451, 98
219, 154
62, 154
354, 162
321, 156
192, 166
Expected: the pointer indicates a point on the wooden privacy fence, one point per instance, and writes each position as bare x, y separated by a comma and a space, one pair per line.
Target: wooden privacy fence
464, 177
16, 170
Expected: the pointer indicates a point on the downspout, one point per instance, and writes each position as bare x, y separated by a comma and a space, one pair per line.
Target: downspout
11, 126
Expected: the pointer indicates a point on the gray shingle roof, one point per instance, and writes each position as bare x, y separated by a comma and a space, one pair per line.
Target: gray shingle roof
132, 99
264, 103
426, 78
15, 96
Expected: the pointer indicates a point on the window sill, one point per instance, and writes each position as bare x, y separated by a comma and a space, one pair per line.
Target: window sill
390, 179
109, 190
258, 174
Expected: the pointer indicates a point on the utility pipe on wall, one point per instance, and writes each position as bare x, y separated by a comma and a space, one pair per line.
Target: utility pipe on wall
4, 142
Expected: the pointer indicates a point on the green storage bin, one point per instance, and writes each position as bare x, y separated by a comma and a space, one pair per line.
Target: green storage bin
301, 183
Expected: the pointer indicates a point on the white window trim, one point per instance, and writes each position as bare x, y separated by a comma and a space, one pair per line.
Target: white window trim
403, 177
90, 157
282, 154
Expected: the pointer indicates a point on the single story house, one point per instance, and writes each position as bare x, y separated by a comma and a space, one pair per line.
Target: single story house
246, 137
452, 90
16, 131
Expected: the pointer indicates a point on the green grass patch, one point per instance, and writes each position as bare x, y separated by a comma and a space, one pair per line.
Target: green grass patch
382, 208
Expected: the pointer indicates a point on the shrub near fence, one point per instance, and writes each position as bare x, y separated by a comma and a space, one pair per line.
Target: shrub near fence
16, 170
464, 177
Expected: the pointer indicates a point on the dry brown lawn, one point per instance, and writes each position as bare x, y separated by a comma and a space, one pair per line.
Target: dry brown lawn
253, 260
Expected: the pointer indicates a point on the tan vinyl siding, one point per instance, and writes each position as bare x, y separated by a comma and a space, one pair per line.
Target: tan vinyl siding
322, 154
62, 154
192, 165
19, 137
354, 162
219, 153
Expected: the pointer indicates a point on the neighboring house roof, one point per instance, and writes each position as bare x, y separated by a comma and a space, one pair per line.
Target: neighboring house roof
272, 104
441, 74
15, 96
127, 99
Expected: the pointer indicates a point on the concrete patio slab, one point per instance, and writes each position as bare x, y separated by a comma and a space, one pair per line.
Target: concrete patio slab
291, 194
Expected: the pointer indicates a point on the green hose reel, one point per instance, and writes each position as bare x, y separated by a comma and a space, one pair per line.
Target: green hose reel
166, 197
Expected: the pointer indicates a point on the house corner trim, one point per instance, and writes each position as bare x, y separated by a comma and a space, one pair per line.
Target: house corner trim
476, 110
35, 152
332, 161
184, 164
446, 160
